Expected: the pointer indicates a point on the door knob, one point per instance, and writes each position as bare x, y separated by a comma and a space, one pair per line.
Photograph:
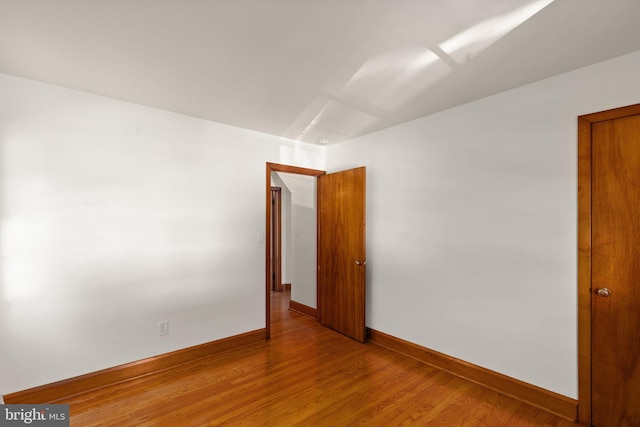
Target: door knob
360, 262
603, 292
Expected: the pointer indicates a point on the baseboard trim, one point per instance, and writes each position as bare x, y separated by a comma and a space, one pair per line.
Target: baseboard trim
60, 390
549, 401
286, 287
304, 309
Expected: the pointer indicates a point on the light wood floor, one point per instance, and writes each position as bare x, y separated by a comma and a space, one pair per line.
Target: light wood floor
306, 375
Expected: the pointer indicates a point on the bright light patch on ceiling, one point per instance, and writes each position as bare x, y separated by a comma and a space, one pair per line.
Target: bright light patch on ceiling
391, 65
389, 80
479, 37
339, 122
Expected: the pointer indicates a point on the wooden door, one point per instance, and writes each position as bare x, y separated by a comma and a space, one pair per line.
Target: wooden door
342, 252
615, 275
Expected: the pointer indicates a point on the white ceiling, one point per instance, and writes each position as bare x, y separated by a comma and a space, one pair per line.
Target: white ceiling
308, 69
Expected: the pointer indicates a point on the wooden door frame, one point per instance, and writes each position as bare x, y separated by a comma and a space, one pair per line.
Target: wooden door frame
584, 252
276, 167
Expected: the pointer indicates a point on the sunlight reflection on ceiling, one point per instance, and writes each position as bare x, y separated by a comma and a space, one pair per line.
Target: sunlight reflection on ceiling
351, 121
390, 80
470, 42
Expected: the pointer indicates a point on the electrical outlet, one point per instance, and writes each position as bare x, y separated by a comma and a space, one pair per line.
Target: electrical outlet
163, 327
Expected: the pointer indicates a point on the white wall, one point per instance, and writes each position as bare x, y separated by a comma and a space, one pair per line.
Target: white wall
116, 216
471, 220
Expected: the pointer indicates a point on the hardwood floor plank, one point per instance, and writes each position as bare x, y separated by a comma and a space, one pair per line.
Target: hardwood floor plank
306, 375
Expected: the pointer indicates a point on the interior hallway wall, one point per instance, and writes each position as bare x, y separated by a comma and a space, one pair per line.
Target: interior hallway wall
303, 230
285, 224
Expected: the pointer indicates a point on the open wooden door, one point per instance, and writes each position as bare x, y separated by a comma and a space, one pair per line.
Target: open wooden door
342, 252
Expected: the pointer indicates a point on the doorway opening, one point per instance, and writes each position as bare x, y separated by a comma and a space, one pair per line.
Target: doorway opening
270, 238
339, 263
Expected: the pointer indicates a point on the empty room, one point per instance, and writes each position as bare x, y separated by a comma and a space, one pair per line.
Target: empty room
331, 213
